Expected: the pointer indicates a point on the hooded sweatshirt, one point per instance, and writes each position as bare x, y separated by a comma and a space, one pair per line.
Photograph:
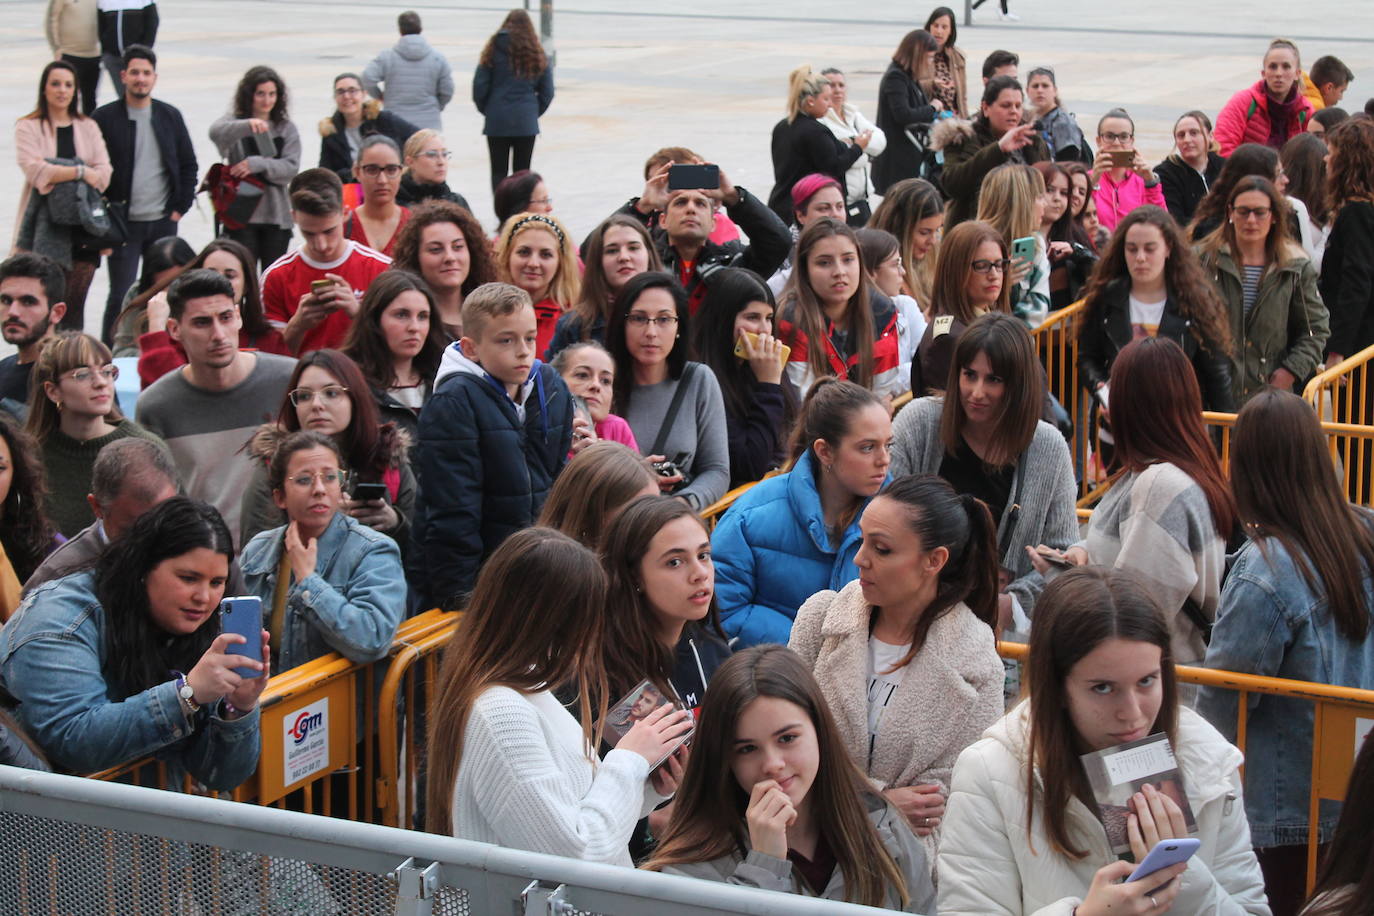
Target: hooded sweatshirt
413, 79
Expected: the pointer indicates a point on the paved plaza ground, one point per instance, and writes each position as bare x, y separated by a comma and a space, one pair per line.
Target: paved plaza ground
709, 74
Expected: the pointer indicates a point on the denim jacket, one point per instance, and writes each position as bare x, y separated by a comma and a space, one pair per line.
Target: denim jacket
53, 659
351, 604
1271, 623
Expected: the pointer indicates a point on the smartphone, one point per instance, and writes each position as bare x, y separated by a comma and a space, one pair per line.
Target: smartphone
319, 286
244, 617
1122, 158
754, 342
1053, 557
691, 177
1165, 853
363, 491
580, 409
1024, 248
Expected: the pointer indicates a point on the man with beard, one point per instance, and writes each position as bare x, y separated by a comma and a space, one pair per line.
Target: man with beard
31, 292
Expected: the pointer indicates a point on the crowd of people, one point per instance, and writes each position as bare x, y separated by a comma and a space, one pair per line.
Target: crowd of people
404, 412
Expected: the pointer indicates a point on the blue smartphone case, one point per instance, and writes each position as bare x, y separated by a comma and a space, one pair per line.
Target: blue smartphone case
1165, 853
244, 617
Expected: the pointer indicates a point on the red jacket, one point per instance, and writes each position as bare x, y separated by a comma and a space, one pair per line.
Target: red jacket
1245, 119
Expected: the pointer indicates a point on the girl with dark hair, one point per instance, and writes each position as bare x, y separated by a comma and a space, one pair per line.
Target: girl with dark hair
593, 488
1303, 159
163, 262
512, 87
327, 583
1347, 282
795, 534
674, 407
1151, 284
589, 372
354, 119
1071, 255
96, 659
378, 220
494, 706
397, 343
914, 212
535, 252
618, 249
882, 257
56, 129
1269, 287
947, 80
927, 590
26, 535
1022, 835
905, 106
1192, 168
771, 798
1297, 604
1345, 881
520, 192
986, 438
1119, 189
262, 146
444, 244
737, 317
1248, 159
1058, 127
329, 394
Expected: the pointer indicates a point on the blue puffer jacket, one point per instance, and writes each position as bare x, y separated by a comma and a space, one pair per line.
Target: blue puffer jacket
511, 103
485, 466
772, 552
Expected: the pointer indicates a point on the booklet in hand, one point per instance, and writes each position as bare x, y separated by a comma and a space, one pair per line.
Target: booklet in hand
636, 705
1116, 773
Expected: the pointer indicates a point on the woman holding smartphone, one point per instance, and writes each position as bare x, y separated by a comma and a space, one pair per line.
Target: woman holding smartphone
1013, 203
1122, 180
1022, 836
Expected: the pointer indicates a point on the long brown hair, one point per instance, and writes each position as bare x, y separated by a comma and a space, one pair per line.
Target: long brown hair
1006, 343
595, 297
1345, 881
826, 414
957, 248
598, 482
556, 639
369, 446
1076, 613
40, 111
906, 204
1286, 488
1246, 159
708, 818
366, 343
26, 534
524, 51
1156, 416
1304, 162
61, 354
805, 313
406, 254
1278, 246
911, 53
1350, 176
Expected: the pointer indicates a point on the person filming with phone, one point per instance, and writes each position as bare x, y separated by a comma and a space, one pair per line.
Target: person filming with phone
1121, 178
126, 659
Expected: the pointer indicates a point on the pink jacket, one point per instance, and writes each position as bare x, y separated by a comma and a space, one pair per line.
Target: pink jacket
1245, 119
35, 141
1116, 200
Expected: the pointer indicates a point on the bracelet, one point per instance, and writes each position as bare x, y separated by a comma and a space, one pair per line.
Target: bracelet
80, 172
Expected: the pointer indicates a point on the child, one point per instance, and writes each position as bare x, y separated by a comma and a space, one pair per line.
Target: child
493, 437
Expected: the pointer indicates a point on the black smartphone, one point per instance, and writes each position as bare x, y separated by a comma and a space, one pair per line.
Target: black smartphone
693, 177
364, 491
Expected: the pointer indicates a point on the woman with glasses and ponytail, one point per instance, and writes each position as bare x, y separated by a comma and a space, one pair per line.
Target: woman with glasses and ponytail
377, 222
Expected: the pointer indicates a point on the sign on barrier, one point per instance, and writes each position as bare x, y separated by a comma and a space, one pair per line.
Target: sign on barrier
313, 732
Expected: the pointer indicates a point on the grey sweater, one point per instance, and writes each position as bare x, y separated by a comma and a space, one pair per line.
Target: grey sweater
1043, 485
276, 171
698, 432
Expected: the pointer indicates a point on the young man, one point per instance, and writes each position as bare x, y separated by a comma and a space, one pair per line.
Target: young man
209, 408
123, 24
154, 170
493, 437
814, 197
31, 291
412, 78
1326, 82
1000, 63
312, 294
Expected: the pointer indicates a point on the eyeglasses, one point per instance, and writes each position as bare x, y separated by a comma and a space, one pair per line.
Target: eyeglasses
348, 90
83, 376
437, 154
1117, 138
641, 322
372, 171
542, 201
328, 478
1251, 212
984, 266
330, 395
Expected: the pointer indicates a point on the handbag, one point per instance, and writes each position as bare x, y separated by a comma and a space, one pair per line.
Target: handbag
234, 199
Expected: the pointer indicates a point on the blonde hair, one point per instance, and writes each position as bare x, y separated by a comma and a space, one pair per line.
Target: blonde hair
802, 83
488, 301
417, 142
1007, 200
566, 282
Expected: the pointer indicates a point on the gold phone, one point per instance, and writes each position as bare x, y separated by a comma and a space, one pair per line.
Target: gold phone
1122, 158
754, 342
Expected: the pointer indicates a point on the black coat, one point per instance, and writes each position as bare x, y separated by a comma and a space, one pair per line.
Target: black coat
412, 193
1183, 187
173, 142
121, 28
901, 105
1107, 332
483, 475
334, 154
801, 148
511, 104
757, 439
1347, 281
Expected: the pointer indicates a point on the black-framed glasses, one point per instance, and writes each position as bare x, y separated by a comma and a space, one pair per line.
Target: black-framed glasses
348, 90
984, 266
330, 395
1252, 212
372, 170
1112, 137
640, 322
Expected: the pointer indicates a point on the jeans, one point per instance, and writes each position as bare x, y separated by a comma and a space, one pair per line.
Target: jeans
505, 149
267, 243
87, 78
124, 266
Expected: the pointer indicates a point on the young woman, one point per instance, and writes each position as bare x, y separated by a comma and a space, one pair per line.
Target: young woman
1248, 159
1071, 255
830, 318
72, 416
536, 254
903, 105
353, 120
1151, 284
1058, 127
947, 81
802, 145
445, 245
906, 656
1347, 286
796, 534
378, 169
426, 158
1022, 835
397, 343
327, 583
55, 129
914, 212
771, 798
987, 439
126, 660
1191, 168
512, 88
1346, 877
26, 535
759, 402
618, 249
520, 192
1273, 109
163, 262
589, 372
1169, 512
158, 354
882, 256
971, 280
974, 148
1303, 160
1269, 288
329, 394
1013, 203
257, 139
592, 489
649, 337
1119, 189
494, 706
1297, 604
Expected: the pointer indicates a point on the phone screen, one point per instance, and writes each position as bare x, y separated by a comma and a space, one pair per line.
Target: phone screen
691, 177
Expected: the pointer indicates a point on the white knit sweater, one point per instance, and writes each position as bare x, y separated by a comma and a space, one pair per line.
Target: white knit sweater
525, 782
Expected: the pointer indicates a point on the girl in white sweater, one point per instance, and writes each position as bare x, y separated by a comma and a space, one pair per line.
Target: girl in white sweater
507, 763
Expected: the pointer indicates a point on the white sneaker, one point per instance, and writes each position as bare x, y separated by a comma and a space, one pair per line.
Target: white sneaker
1010, 17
